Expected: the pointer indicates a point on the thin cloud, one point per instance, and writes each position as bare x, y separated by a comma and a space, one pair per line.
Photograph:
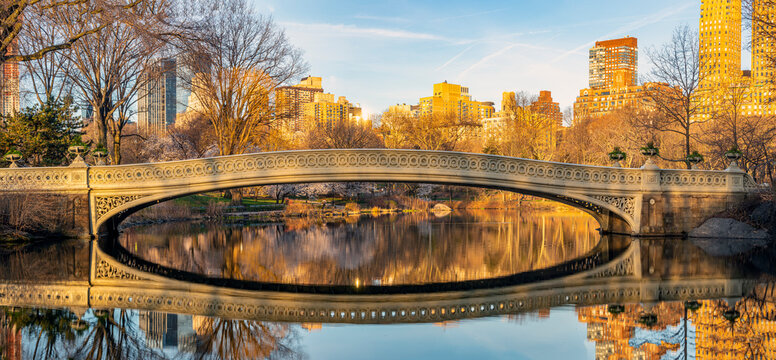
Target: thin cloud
486, 59
454, 58
468, 15
382, 18
352, 30
652, 19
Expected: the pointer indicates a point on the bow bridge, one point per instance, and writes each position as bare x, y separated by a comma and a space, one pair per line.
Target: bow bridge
644, 201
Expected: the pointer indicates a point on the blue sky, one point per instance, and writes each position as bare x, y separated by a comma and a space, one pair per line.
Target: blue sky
380, 53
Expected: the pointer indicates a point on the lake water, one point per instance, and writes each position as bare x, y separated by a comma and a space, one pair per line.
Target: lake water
540, 284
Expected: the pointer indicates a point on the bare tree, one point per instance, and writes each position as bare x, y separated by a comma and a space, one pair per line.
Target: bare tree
47, 74
525, 132
436, 131
674, 89
238, 60
193, 137
343, 135
107, 68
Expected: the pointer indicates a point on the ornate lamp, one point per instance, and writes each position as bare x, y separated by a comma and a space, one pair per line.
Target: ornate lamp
78, 148
733, 155
13, 156
100, 154
648, 320
615, 309
650, 151
616, 156
694, 159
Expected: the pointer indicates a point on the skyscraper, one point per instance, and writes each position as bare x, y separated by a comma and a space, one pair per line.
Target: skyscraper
291, 101
763, 46
720, 42
9, 83
157, 98
613, 79
610, 59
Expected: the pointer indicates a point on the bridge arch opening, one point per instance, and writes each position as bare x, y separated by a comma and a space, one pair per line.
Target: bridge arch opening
609, 221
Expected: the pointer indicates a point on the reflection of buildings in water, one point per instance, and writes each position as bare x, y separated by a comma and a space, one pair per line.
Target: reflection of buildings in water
10, 340
164, 330
709, 334
612, 333
312, 326
752, 336
406, 249
448, 324
532, 316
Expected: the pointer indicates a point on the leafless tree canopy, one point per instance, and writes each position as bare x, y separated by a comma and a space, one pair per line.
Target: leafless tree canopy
107, 66
437, 131
237, 61
343, 135
97, 13
675, 83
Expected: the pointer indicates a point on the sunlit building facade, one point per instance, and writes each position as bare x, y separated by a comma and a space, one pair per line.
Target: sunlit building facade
9, 83
613, 58
763, 46
613, 79
720, 60
720, 41
455, 99
291, 101
548, 108
157, 105
325, 111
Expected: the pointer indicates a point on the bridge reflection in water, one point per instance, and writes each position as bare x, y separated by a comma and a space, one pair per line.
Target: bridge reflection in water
185, 309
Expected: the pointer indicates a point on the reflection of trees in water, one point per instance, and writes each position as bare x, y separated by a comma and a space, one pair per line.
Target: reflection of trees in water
58, 334
114, 334
64, 260
745, 330
245, 339
395, 249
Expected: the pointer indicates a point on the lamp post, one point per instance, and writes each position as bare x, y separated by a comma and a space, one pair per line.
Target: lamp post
733, 155
13, 156
616, 156
694, 159
77, 149
100, 154
650, 151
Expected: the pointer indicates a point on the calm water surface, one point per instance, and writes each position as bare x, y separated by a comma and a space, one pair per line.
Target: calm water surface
385, 251
417, 248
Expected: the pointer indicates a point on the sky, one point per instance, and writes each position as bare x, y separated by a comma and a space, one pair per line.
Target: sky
380, 53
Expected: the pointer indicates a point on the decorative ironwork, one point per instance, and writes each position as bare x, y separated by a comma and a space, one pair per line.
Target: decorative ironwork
625, 203
105, 204
104, 270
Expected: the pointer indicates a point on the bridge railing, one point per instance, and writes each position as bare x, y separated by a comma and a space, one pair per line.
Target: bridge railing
420, 162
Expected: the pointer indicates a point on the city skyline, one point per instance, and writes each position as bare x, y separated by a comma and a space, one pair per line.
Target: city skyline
503, 47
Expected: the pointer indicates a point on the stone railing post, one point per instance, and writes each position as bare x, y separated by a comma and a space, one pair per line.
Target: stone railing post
650, 179
735, 179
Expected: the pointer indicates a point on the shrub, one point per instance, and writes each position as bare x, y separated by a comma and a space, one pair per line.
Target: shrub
352, 207
297, 208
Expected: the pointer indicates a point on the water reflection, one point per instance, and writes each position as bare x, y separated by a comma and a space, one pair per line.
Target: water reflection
617, 316
705, 329
416, 248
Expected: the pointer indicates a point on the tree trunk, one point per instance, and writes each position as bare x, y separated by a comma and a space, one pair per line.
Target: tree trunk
116, 149
236, 196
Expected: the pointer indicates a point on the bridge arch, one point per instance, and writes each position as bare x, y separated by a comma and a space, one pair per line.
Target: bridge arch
611, 195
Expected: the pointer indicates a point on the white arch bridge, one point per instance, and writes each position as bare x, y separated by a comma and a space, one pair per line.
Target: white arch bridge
645, 201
